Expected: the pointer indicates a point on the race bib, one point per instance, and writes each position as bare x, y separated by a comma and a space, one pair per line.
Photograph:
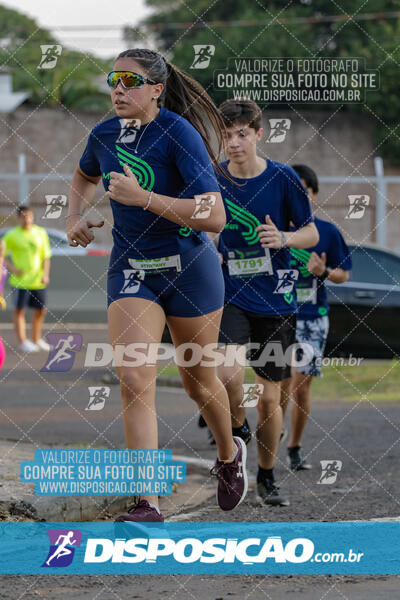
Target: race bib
245, 262
307, 294
152, 266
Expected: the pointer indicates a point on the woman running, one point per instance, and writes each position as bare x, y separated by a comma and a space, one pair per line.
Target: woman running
154, 160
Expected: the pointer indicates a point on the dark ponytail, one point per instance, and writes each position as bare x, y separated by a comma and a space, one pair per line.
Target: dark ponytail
184, 95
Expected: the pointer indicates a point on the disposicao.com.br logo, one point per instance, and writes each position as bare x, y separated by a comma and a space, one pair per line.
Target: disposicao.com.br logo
201, 548
191, 550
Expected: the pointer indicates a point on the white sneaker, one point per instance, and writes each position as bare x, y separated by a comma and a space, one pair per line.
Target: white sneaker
27, 347
43, 345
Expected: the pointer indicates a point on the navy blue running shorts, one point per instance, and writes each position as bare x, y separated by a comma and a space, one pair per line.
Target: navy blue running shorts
31, 298
194, 290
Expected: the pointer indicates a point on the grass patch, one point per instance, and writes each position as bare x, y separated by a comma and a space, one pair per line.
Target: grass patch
377, 381
374, 380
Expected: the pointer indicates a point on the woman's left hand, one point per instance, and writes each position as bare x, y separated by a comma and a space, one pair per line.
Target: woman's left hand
126, 189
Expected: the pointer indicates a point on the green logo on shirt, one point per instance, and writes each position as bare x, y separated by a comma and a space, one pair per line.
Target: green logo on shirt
185, 231
301, 256
288, 297
249, 221
140, 168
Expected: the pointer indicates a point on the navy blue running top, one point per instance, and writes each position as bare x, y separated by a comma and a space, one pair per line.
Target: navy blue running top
311, 293
168, 156
249, 282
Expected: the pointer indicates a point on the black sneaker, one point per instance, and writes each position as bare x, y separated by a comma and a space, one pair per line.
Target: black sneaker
243, 432
296, 460
283, 435
201, 422
203, 425
210, 437
268, 493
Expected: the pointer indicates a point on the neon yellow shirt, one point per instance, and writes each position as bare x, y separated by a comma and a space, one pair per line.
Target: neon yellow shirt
28, 248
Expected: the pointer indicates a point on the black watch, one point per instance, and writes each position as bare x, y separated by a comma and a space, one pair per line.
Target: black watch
325, 274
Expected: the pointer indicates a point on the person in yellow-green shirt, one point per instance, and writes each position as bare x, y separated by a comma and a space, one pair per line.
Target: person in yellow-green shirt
28, 247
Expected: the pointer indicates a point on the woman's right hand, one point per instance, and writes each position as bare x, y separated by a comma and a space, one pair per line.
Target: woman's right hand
78, 230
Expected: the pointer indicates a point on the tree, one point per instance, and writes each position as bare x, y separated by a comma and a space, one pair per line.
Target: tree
71, 83
276, 28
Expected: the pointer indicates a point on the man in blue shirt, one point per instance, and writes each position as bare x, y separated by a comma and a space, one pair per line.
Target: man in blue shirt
262, 197
329, 259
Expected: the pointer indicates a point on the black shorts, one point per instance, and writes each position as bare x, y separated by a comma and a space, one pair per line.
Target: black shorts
31, 298
273, 335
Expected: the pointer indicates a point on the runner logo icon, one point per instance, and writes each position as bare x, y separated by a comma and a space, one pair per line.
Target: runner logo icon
133, 278
62, 547
251, 394
97, 397
204, 204
54, 207
50, 54
358, 204
279, 129
330, 471
129, 129
202, 55
287, 278
62, 351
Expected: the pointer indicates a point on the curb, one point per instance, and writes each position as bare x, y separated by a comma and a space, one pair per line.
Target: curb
81, 508
63, 508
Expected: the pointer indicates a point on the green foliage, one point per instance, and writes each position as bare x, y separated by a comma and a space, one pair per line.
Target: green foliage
71, 83
376, 40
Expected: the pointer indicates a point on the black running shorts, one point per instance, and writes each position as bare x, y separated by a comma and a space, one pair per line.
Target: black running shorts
272, 337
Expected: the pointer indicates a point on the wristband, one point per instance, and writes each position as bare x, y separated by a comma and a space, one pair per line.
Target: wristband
325, 274
148, 201
283, 239
74, 215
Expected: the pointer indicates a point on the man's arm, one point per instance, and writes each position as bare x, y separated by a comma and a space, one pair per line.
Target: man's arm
317, 266
46, 271
271, 237
305, 237
338, 275
11, 267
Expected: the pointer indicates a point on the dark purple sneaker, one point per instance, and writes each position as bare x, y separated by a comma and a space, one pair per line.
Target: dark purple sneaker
232, 478
141, 512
